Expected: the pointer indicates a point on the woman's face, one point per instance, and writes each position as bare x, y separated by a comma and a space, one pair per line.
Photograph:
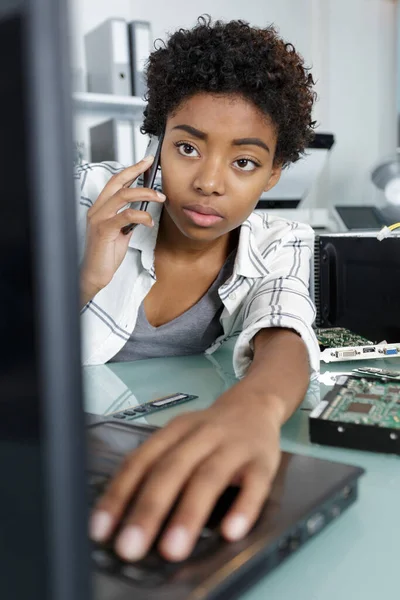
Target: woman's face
217, 157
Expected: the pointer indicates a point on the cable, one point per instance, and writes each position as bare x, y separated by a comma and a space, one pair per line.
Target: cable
394, 226
386, 232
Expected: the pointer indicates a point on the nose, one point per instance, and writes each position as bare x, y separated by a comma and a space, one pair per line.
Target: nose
210, 178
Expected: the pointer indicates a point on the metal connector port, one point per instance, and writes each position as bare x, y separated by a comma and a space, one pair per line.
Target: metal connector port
391, 351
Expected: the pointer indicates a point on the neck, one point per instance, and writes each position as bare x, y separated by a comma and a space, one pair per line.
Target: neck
171, 240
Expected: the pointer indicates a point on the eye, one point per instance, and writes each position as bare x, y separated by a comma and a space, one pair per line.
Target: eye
186, 149
246, 164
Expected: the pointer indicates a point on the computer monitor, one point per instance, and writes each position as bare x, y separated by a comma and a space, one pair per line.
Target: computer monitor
357, 284
41, 446
361, 217
299, 177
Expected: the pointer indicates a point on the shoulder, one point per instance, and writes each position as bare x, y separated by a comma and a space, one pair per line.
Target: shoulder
270, 229
91, 178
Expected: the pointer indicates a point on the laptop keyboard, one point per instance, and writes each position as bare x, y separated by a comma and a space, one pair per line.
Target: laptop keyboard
153, 569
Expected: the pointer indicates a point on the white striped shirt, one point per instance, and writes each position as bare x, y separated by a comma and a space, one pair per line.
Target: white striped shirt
269, 286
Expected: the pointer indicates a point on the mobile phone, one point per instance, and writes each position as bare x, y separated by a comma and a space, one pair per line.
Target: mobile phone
149, 177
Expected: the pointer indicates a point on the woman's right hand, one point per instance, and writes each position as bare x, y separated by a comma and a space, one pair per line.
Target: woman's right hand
106, 245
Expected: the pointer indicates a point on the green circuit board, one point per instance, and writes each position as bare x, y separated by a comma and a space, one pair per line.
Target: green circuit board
339, 337
365, 401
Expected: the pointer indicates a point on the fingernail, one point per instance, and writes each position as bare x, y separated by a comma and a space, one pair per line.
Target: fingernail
148, 158
176, 542
131, 543
152, 223
236, 527
100, 525
161, 196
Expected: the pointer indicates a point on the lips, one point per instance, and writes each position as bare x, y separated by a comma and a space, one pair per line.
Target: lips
203, 216
202, 209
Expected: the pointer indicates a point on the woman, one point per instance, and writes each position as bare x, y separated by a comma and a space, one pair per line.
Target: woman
200, 268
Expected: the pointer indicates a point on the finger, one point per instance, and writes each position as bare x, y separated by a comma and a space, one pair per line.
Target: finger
205, 487
158, 494
111, 228
110, 507
120, 199
122, 179
256, 485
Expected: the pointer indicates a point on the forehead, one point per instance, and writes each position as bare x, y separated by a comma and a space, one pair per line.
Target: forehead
224, 115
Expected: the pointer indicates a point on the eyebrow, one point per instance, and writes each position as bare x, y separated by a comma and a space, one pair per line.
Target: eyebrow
251, 142
239, 142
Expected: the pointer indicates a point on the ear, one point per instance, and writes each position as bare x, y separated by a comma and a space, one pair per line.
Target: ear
274, 177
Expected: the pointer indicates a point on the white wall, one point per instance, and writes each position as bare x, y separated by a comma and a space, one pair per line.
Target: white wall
351, 45
292, 16
360, 90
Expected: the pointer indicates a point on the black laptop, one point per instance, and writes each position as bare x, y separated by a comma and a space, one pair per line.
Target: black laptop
44, 549
307, 495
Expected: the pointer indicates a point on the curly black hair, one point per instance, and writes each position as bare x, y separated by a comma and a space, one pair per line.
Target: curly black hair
234, 58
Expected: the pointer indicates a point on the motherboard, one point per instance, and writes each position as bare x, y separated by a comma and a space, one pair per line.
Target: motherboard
359, 412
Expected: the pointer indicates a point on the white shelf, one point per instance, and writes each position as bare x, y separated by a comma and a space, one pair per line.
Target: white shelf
126, 106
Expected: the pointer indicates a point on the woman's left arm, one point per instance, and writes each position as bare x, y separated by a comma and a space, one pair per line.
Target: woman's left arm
189, 463
279, 373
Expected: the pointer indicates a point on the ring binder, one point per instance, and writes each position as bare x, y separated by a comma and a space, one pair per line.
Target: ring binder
108, 58
140, 47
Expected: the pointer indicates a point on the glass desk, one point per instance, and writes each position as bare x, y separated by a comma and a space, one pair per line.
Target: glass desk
357, 558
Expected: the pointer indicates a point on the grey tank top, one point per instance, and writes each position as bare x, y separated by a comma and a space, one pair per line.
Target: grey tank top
190, 333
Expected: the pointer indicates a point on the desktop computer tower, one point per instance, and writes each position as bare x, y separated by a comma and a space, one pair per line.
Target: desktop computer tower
357, 284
